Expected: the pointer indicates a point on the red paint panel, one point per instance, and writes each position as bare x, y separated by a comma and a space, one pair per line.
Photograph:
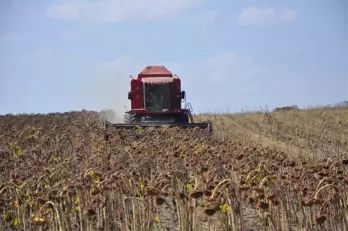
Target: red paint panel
155, 70
144, 111
137, 94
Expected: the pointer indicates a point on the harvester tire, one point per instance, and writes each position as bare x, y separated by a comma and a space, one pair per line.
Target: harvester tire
129, 118
183, 118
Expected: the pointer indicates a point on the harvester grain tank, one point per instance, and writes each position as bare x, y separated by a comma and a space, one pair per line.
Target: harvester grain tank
156, 100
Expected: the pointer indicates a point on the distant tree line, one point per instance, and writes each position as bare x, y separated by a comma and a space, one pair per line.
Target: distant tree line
295, 107
287, 108
342, 104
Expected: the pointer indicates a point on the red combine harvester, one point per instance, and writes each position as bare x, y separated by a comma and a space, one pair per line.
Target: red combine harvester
156, 99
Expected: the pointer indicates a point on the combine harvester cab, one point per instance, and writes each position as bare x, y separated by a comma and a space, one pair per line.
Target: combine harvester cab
156, 99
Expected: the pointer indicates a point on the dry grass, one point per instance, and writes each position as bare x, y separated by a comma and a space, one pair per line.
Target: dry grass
277, 171
308, 134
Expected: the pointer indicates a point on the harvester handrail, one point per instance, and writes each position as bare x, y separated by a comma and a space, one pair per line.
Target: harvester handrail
188, 106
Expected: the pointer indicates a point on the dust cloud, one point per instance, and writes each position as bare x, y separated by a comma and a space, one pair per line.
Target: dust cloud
107, 90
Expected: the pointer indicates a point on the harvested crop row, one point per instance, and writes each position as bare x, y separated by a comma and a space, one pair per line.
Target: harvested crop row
58, 173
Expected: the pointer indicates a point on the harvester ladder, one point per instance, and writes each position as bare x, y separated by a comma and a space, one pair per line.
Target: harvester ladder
191, 117
189, 109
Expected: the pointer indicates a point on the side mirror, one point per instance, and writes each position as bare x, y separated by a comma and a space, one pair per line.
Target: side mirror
129, 95
183, 94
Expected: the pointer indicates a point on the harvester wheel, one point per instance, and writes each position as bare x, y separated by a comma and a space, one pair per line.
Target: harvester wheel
129, 118
183, 118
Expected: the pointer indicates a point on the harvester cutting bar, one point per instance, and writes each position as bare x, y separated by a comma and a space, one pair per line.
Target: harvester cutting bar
207, 126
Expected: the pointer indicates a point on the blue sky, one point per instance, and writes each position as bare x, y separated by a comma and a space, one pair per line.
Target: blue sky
78, 54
